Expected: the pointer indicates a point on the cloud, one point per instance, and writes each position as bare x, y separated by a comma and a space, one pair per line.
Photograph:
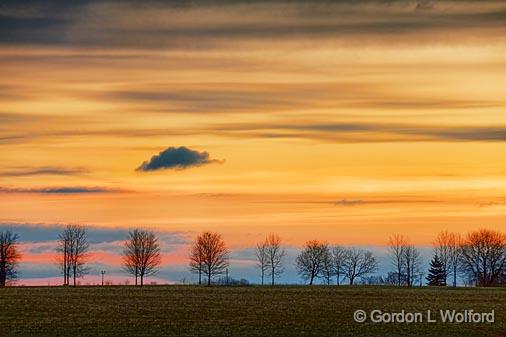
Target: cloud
349, 202
177, 158
331, 132
358, 132
59, 190
195, 24
43, 170
42, 232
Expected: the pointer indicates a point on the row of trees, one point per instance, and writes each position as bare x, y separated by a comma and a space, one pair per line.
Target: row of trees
480, 258
209, 257
73, 249
319, 260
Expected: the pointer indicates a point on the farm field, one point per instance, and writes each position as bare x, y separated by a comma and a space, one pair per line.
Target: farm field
238, 311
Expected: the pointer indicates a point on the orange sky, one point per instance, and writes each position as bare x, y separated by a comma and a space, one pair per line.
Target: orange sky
346, 122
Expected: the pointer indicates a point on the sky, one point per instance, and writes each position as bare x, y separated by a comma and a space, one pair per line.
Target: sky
343, 121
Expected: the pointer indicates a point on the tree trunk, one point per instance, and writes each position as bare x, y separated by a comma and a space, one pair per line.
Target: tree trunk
74, 270
3, 275
208, 279
351, 280
200, 274
3, 269
262, 277
65, 262
272, 272
311, 280
142, 280
399, 272
337, 278
68, 272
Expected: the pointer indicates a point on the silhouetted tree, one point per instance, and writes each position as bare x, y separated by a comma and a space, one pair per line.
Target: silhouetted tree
9, 257
412, 263
275, 254
405, 258
262, 262
358, 263
483, 256
328, 267
442, 250
397, 245
215, 254
454, 253
437, 275
197, 258
309, 262
73, 247
447, 246
338, 255
391, 278
141, 254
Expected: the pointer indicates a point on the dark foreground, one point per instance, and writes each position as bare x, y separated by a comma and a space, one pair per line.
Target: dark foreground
248, 311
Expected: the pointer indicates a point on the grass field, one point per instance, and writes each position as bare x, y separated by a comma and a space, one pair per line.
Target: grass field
237, 311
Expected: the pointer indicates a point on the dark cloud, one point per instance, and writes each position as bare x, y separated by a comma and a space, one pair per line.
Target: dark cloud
117, 23
177, 158
43, 170
59, 190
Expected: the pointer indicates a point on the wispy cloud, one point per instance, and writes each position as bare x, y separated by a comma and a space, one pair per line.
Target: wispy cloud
356, 132
43, 170
59, 190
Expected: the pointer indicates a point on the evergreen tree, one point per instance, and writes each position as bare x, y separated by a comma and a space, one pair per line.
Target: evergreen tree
437, 275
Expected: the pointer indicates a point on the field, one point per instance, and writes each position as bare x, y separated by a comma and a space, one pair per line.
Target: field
238, 311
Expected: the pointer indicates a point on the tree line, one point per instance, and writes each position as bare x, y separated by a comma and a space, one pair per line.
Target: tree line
479, 259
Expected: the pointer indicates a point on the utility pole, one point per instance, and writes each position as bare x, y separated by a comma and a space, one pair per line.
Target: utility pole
103, 273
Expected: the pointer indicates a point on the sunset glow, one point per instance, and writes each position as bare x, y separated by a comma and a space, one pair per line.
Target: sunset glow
343, 122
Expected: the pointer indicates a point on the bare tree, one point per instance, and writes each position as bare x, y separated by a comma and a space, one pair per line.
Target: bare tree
358, 263
309, 263
442, 246
483, 256
262, 262
141, 254
73, 247
454, 255
197, 258
412, 263
328, 267
275, 254
338, 255
397, 245
9, 257
215, 254
63, 248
